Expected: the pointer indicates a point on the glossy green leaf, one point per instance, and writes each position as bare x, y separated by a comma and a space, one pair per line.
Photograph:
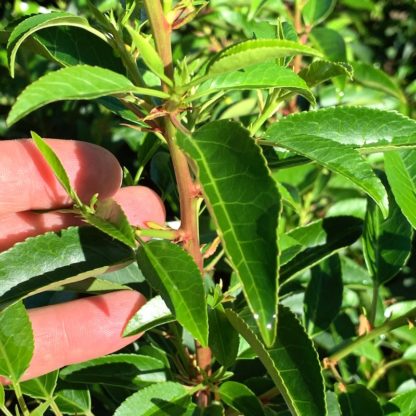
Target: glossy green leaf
241, 398
244, 202
37, 22
41, 409
174, 274
401, 405
256, 51
321, 71
71, 255
400, 169
223, 338
73, 400
386, 242
123, 370
110, 218
316, 11
81, 82
291, 362
332, 404
375, 78
55, 164
148, 53
359, 401
358, 127
317, 241
152, 314
69, 46
268, 75
170, 399
330, 42
336, 157
16, 341
42, 387
323, 296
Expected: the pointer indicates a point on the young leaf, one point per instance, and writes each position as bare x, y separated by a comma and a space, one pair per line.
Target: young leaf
32, 24
400, 169
152, 314
56, 165
330, 42
317, 241
321, 71
323, 296
268, 75
16, 342
316, 11
291, 362
375, 78
338, 158
42, 387
245, 204
387, 242
123, 370
241, 398
358, 400
171, 271
223, 338
73, 400
80, 82
401, 405
160, 399
110, 218
257, 51
72, 255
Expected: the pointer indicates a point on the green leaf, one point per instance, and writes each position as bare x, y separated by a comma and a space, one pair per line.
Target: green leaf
152, 314
257, 51
375, 78
41, 409
223, 338
148, 53
336, 157
400, 169
241, 398
2, 396
55, 164
42, 387
69, 46
110, 218
123, 370
37, 22
387, 242
321, 71
268, 75
71, 255
316, 11
317, 241
359, 401
73, 400
291, 362
81, 82
323, 296
330, 42
173, 273
170, 399
16, 341
244, 202
401, 405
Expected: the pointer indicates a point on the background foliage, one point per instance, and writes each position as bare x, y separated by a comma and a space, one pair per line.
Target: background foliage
345, 270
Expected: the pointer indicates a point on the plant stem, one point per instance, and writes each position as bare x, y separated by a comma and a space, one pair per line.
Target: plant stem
272, 105
379, 373
376, 332
20, 399
55, 408
6, 411
374, 302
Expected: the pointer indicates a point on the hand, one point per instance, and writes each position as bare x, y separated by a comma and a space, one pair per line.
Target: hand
86, 328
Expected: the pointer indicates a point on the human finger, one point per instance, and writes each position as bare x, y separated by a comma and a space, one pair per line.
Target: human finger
80, 330
140, 204
28, 183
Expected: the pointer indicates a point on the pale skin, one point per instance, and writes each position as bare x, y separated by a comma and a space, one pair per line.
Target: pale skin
90, 327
